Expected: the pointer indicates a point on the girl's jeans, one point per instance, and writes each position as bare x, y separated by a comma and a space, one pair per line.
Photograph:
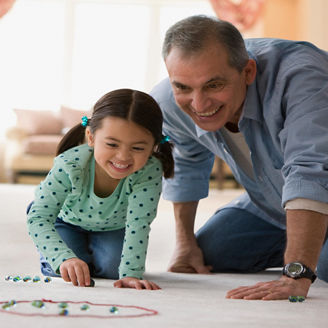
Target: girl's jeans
100, 250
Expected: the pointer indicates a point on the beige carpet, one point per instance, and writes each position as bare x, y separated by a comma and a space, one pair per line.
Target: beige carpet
184, 300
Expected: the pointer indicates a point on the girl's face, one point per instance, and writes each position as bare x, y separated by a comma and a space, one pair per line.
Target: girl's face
121, 147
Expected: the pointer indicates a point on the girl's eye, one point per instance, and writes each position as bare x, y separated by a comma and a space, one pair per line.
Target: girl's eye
138, 148
112, 145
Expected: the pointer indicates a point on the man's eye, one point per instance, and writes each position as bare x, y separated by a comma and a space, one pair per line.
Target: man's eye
215, 86
181, 87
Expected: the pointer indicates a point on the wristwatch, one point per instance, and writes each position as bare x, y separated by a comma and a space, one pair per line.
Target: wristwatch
298, 270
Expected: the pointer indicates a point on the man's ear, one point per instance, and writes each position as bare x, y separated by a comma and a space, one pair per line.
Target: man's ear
250, 71
89, 136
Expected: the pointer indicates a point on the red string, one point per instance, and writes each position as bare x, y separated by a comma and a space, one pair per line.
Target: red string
149, 312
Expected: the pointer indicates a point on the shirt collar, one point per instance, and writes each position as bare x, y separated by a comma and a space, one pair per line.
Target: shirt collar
200, 132
252, 104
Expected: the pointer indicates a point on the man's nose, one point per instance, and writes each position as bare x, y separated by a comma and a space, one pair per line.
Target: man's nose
200, 102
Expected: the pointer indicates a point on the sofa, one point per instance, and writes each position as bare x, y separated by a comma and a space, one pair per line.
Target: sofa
31, 143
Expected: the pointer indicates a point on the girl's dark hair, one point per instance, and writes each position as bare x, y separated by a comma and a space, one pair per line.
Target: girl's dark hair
131, 105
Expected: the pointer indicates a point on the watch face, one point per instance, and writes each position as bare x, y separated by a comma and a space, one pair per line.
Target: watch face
294, 269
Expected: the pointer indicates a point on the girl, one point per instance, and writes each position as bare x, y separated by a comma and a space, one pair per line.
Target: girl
91, 215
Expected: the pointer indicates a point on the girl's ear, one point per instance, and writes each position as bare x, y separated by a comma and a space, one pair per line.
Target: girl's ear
89, 136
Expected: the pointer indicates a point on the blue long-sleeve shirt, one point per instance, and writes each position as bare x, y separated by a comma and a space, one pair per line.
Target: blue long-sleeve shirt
285, 125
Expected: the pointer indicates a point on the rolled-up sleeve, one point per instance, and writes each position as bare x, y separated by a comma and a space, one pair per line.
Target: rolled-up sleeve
304, 137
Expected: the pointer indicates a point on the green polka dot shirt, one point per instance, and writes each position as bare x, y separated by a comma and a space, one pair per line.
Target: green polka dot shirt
67, 193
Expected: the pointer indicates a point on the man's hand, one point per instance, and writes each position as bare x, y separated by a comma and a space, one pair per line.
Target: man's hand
188, 260
130, 282
76, 271
187, 257
272, 290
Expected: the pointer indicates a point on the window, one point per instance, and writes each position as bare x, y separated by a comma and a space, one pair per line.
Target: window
31, 56
73, 51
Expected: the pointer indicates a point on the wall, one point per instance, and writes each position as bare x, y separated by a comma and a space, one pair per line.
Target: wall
314, 24
297, 20
2, 171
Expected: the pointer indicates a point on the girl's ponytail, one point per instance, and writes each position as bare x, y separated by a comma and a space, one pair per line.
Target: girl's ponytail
164, 154
74, 137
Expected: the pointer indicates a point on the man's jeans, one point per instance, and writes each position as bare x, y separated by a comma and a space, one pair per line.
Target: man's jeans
235, 240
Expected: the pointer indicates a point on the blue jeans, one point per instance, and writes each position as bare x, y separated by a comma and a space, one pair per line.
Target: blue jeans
235, 240
100, 250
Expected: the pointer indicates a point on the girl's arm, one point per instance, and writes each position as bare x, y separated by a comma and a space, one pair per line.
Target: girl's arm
49, 199
143, 200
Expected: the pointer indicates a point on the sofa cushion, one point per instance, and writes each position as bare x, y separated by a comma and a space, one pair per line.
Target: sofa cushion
38, 121
71, 116
41, 144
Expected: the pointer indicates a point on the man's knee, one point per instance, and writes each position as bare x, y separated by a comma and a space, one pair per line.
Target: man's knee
234, 240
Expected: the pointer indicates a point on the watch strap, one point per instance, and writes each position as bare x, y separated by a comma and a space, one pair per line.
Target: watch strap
306, 273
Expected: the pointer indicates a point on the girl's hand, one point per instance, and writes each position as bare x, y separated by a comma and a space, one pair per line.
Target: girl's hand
130, 282
76, 271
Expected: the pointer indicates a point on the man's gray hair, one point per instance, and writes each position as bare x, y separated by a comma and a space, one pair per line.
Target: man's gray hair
194, 33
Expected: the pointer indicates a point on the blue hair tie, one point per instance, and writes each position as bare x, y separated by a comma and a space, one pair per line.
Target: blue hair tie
165, 139
84, 121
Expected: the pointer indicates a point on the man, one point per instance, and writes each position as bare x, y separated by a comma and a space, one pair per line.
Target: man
264, 111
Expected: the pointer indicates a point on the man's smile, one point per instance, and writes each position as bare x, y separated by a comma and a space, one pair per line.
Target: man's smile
207, 114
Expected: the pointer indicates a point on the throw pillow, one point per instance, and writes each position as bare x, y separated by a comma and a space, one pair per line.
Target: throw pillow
71, 116
38, 121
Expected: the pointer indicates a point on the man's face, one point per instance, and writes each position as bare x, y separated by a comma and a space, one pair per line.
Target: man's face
207, 88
